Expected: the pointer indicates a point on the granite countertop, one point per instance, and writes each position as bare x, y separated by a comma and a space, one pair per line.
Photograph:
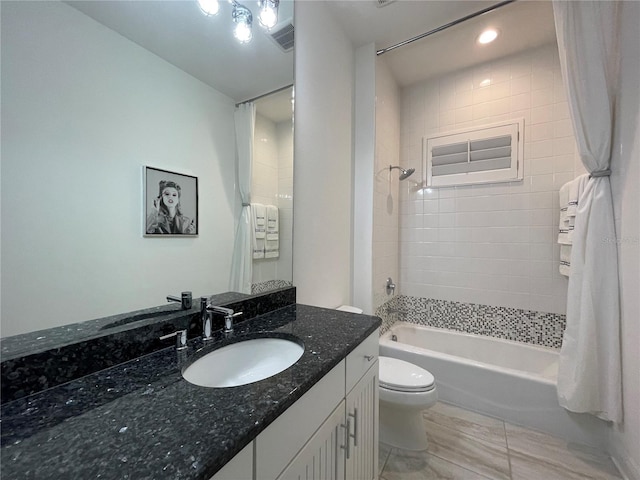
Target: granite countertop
142, 420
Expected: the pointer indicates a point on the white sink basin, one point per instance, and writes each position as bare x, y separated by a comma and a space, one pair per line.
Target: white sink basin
243, 362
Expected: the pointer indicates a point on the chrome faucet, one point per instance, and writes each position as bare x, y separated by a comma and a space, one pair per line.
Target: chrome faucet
185, 300
229, 315
205, 317
181, 338
206, 312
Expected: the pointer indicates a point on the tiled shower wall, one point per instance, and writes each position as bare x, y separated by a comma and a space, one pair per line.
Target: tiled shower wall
272, 184
527, 326
492, 244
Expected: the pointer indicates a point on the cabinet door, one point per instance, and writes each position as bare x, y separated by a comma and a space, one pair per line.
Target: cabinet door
322, 458
239, 467
362, 411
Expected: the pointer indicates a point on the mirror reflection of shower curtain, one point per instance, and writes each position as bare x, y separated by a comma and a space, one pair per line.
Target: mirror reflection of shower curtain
242, 263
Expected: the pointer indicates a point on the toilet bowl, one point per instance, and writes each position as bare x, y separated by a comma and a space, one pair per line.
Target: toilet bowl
405, 391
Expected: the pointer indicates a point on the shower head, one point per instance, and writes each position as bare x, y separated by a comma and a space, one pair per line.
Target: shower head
403, 173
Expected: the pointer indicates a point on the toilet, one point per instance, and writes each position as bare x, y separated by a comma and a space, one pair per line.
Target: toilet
405, 391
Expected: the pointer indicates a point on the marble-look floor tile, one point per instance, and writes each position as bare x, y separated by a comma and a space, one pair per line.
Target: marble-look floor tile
536, 455
404, 465
469, 423
383, 454
472, 453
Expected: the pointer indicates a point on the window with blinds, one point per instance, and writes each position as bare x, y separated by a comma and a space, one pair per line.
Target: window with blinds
484, 154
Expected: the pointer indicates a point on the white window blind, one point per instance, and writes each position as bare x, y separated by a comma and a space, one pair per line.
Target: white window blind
484, 154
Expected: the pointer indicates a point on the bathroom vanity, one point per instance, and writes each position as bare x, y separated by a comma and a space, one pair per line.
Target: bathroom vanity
141, 419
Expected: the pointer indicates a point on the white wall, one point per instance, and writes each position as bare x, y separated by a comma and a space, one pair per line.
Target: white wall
386, 183
625, 180
324, 71
489, 244
83, 109
271, 185
363, 176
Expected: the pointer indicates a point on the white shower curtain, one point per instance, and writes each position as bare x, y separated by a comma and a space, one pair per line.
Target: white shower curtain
589, 376
242, 262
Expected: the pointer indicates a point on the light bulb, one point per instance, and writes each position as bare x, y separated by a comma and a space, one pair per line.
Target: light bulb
209, 7
242, 17
242, 32
488, 36
268, 16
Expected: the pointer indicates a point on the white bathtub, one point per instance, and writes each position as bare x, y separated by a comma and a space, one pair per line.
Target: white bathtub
509, 380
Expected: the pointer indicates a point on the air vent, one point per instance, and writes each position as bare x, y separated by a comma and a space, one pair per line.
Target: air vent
282, 34
383, 3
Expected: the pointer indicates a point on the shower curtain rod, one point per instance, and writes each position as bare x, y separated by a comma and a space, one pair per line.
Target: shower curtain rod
444, 27
266, 94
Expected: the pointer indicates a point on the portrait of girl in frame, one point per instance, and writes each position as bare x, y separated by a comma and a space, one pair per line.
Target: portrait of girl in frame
170, 203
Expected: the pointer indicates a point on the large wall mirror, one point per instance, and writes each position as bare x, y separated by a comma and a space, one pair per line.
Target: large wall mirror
92, 92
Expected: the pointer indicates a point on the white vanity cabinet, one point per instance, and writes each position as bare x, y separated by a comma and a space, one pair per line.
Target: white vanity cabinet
239, 467
344, 444
330, 433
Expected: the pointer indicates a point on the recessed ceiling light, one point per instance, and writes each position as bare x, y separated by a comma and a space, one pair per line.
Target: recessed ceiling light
488, 36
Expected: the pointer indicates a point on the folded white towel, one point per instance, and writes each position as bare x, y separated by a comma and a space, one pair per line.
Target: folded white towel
272, 243
565, 259
569, 199
259, 219
257, 232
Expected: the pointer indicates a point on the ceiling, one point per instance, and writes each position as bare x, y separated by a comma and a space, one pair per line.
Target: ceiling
522, 25
204, 47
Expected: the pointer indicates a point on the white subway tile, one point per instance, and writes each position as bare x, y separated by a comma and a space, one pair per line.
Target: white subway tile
464, 98
541, 78
560, 111
541, 251
481, 95
541, 166
542, 97
521, 101
541, 131
540, 149
542, 183
447, 119
540, 269
563, 146
519, 284
542, 217
521, 85
463, 115
559, 179
500, 90
542, 114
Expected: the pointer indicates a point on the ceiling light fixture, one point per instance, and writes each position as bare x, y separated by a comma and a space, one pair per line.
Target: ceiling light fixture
268, 16
488, 36
243, 19
209, 7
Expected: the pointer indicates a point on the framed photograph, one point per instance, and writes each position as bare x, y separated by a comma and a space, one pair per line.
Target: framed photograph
170, 203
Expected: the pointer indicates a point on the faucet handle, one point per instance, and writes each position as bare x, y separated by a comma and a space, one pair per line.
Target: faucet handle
228, 321
181, 338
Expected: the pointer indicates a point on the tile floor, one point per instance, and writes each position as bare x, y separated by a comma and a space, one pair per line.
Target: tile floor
464, 445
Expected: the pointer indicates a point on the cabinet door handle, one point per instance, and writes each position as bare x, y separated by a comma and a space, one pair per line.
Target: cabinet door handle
347, 434
369, 357
354, 415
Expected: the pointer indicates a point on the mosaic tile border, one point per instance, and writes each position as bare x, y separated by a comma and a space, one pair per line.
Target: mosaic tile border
269, 285
527, 326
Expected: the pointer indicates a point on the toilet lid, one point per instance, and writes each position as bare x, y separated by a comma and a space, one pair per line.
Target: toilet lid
403, 376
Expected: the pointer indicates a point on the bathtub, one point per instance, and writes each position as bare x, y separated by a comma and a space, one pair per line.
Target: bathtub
513, 381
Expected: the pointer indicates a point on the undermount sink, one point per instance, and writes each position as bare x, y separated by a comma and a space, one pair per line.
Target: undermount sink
243, 362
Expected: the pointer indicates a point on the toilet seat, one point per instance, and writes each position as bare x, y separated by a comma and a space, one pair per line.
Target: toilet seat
400, 376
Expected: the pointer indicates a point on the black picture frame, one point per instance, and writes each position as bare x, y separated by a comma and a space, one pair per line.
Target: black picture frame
161, 188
